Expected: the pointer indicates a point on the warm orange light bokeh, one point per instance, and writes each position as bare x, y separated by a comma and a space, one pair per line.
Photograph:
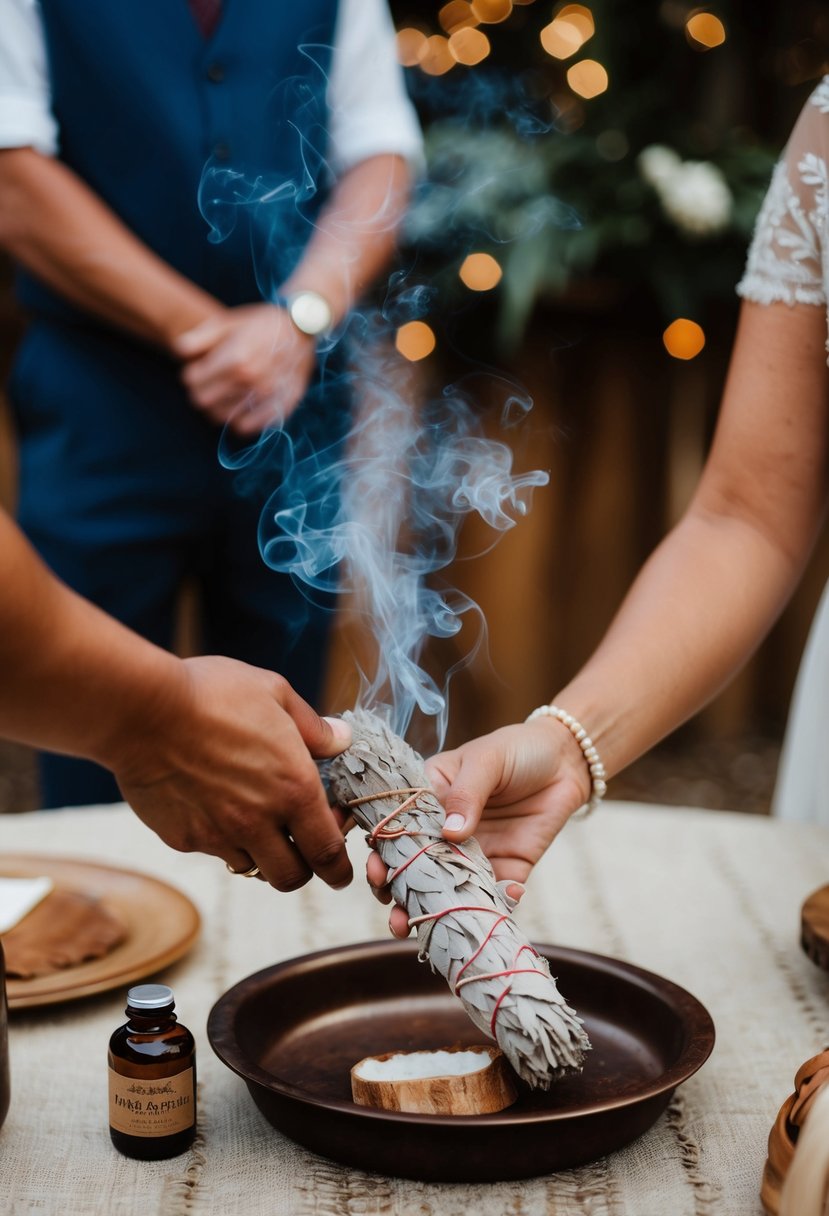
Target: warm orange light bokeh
568, 31
411, 45
579, 16
684, 339
480, 272
704, 31
560, 39
415, 340
492, 11
588, 78
436, 59
469, 46
456, 15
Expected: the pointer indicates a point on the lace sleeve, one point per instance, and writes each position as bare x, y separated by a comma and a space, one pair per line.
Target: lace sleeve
787, 260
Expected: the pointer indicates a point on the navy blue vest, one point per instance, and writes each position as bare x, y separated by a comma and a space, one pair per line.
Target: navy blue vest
144, 101
108, 437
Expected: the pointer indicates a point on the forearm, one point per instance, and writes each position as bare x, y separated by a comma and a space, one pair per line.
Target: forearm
56, 227
695, 614
210, 753
355, 233
73, 680
714, 587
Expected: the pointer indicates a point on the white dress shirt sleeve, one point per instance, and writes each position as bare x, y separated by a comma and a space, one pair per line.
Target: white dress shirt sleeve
26, 119
370, 113
369, 110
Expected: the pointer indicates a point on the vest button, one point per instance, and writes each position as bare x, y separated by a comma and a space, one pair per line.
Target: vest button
221, 150
215, 73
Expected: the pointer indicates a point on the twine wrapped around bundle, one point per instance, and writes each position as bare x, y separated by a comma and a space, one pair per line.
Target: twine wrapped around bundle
462, 915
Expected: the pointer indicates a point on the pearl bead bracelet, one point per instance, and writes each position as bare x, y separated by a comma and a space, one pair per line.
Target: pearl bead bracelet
598, 776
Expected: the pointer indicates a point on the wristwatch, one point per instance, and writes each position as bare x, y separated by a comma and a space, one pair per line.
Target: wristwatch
310, 312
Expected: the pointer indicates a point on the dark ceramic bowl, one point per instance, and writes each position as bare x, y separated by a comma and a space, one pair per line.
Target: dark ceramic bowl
293, 1031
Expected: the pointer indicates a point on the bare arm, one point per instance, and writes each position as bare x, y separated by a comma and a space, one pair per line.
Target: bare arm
211, 754
699, 607
355, 233
61, 231
255, 354
713, 589
250, 358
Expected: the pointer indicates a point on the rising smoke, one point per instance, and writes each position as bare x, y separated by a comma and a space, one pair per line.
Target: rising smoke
377, 512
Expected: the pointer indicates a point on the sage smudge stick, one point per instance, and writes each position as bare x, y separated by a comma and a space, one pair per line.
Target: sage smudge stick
462, 915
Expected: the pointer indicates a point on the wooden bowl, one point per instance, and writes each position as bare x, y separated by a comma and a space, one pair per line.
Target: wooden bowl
293, 1032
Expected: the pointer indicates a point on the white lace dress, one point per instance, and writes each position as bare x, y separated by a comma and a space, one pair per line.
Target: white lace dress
789, 262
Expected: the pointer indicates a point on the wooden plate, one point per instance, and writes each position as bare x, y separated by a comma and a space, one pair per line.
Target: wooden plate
293, 1031
161, 922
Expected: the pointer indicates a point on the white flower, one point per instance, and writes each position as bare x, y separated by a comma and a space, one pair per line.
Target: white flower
693, 193
657, 164
697, 198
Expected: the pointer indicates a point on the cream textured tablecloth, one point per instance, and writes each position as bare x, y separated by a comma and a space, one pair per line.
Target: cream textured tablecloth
707, 899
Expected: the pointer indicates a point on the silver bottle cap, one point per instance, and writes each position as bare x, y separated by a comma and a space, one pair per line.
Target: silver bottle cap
150, 996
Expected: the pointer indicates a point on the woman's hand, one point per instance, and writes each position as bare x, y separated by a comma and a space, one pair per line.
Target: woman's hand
513, 790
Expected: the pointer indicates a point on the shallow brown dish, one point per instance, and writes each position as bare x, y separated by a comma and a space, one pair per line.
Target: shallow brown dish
162, 924
293, 1031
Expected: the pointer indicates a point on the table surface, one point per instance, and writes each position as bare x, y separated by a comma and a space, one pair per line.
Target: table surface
708, 899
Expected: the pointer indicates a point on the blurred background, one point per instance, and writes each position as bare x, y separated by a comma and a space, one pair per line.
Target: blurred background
593, 175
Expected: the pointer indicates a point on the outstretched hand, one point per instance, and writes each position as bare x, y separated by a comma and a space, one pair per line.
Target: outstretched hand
513, 790
225, 767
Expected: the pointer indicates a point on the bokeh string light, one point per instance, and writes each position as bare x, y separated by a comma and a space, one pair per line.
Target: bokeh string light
480, 272
492, 12
415, 340
411, 46
704, 31
469, 46
562, 79
461, 41
437, 59
588, 78
457, 15
684, 339
567, 33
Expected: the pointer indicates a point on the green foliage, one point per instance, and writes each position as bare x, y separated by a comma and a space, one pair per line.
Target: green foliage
555, 210
569, 203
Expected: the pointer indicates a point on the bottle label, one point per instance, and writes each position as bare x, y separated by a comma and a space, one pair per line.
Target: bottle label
160, 1107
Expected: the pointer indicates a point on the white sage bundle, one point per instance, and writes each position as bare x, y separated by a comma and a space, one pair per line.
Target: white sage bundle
461, 913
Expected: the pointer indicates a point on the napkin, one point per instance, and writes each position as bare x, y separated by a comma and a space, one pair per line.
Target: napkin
18, 896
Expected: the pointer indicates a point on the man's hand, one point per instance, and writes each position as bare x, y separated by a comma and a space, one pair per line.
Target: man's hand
513, 790
225, 767
248, 367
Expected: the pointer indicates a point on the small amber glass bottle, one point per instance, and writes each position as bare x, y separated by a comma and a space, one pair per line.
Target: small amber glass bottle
152, 1078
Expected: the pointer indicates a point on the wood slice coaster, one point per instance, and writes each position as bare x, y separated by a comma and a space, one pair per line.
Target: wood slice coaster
814, 927
66, 928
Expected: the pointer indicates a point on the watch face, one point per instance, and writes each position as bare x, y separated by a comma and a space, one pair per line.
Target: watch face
310, 313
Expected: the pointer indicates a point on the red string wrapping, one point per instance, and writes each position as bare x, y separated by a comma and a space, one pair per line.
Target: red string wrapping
504, 916
379, 832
